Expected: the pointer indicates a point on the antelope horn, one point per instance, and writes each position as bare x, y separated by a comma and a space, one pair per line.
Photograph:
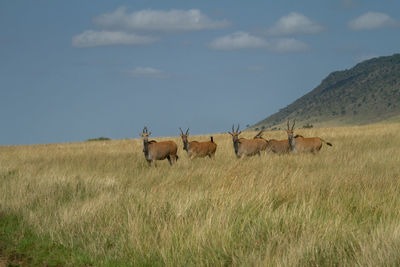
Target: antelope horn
233, 128
181, 130
187, 131
294, 122
288, 127
237, 130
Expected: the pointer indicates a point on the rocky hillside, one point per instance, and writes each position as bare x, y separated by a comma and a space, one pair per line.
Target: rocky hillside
368, 92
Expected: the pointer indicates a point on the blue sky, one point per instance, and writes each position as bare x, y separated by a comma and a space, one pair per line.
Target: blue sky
73, 70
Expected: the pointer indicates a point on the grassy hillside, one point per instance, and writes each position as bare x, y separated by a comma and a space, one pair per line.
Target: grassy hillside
97, 203
368, 92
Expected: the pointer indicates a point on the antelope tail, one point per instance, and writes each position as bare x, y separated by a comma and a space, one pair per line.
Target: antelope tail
212, 139
329, 144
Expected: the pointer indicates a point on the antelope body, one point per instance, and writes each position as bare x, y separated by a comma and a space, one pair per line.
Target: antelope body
299, 143
154, 150
278, 146
247, 147
198, 149
275, 146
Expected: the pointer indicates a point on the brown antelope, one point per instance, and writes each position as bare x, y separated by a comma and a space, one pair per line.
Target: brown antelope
275, 146
299, 143
246, 147
278, 146
154, 150
198, 149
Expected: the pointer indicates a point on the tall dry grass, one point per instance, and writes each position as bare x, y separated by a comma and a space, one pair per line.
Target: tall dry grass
340, 207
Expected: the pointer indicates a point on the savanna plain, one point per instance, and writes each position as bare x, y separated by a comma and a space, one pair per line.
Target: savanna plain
98, 203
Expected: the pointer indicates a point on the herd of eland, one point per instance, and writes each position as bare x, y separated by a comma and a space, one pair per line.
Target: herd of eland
154, 150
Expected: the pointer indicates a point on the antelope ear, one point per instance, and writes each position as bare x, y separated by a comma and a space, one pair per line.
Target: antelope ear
240, 132
149, 133
229, 133
140, 134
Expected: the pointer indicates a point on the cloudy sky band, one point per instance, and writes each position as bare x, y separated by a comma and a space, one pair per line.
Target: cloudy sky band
120, 27
148, 20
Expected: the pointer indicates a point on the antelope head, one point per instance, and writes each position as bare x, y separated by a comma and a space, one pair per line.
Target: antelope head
145, 134
184, 137
235, 134
290, 132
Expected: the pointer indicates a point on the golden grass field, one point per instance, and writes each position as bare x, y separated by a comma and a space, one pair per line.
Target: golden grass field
101, 201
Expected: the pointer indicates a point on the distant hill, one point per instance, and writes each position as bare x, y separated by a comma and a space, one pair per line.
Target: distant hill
368, 92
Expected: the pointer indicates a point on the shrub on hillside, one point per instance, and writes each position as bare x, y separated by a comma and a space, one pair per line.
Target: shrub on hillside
101, 138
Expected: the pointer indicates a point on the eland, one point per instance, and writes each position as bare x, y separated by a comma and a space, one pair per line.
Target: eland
299, 143
275, 146
198, 149
154, 150
247, 147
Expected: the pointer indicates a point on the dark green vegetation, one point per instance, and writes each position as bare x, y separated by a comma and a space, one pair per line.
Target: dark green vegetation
366, 93
21, 246
101, 138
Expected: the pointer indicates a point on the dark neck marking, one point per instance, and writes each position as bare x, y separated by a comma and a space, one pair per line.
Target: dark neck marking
236, 145
146, 147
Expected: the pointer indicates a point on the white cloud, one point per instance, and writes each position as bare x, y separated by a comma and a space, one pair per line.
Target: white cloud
284, 45
101, 38
147, 72
244, 40
238, 40
295, 23
372, 21
174, 20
